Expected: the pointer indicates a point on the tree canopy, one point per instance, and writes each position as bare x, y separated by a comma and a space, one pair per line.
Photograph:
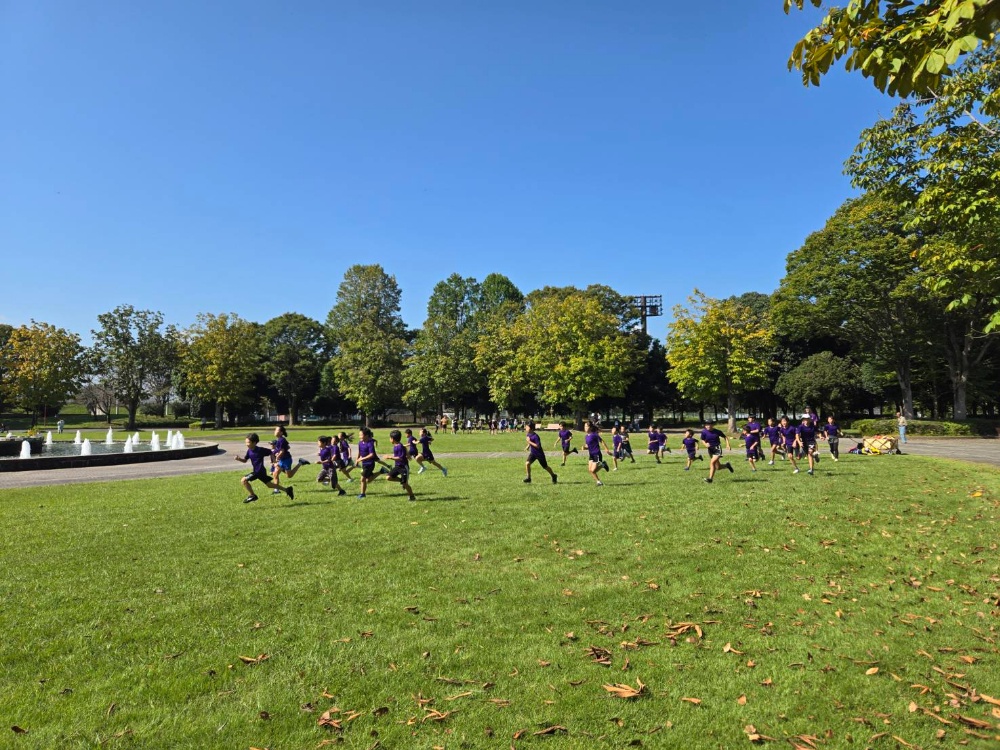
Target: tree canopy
294, 351
904, 47
43, 367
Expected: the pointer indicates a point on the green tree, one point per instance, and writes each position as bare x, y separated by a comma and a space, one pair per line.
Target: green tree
718, 349
941, 160
43, 367
220, 360
441, 367
369, 339
824, 381
903, 46
294, 354
858, 279
131, 353
565, 349
496, 291
5, 333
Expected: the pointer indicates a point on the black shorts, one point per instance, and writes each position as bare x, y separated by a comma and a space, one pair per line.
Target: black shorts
692, 456
595, 458
260, 476
427, 455
401, 473
367, 472
809, 448
541, 461
715, 451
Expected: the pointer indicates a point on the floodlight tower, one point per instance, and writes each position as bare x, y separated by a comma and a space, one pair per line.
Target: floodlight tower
649, 306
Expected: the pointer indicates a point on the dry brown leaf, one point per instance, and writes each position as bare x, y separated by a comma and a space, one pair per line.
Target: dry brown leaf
352, 715
18, 730
543, 663
599, 655
741, 701
500, 702
968, 659
251, 660
988, 699
433, 715
455, 697
902, 742
873, 670
933, 715
912, 708
754, 736
519, 733
380, 711
695, 701
555, 729
728, 649
626, 691
327, 720
972, 722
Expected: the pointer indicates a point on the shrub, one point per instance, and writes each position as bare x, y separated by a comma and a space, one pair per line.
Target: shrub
916, 427
210, 425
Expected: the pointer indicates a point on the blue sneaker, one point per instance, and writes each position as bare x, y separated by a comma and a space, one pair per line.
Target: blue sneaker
444, 471
361, 497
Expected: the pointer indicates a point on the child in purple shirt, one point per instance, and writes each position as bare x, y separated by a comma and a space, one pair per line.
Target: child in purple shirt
426, 455
595, 460
752, 443
790, 439
328, 465
255, 455
535, 453
400, 472
773, 433
563, 440
712, 438
281, 458
691, 446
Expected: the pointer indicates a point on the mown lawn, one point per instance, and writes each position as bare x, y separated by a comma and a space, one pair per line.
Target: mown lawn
855, 608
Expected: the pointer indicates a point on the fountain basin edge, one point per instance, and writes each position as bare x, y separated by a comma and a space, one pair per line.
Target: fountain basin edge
108, 459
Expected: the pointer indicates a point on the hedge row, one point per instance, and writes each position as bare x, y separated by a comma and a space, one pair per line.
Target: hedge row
983, 427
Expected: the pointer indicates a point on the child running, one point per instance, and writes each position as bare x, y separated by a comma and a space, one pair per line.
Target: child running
255, 455
831, 430
752, 443
626, 443
342, 445
691, 446
789, 439
807, 442
773, 433
328, 465
535, 453
367, 459
653, 447
594, 443
281, 457
563, 440
712, 438
400, 472
426, 456
661, 443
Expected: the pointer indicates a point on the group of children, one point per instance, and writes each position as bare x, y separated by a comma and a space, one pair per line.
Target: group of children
335, 456
789, 441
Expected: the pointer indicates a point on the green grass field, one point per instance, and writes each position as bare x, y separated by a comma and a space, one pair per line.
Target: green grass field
855, 608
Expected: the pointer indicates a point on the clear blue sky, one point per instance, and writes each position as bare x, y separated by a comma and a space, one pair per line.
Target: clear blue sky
239, 156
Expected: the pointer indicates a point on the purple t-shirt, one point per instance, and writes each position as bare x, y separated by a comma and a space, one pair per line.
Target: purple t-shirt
411, 446
425, 444
754, 426
399, 454
751, 442
280, 444
565, 436
616, 441
807, 434
367, 448
344, 450
593, 441
788, 434
661, 438
256, 456
691, 445
832, 430
326, 456
712, 438
773, 434
534, 445
654, 439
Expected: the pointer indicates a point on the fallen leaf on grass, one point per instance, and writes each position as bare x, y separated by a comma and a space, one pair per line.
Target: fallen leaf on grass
327, 720
741, 701
680, 628
254, 660
902, 742
754, 736
599, 655
329, 696
500, 702
873, 670
455, 697
728, 649
695, 701
543, 663
433, 715
555, 729
18, 730
988, 699
972, 722
626, 691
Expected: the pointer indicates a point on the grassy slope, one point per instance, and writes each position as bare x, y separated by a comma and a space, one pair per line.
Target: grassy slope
127, 607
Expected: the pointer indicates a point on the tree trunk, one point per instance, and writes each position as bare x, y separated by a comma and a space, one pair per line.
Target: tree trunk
132, 408
731, 406
905, 387
218, 414
293, 412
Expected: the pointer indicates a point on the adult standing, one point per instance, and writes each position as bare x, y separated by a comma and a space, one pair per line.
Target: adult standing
901, 421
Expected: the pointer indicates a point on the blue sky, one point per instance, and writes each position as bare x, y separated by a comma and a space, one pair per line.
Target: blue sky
238, 156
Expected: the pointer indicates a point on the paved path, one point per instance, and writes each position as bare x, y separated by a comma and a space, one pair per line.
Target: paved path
966, 449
